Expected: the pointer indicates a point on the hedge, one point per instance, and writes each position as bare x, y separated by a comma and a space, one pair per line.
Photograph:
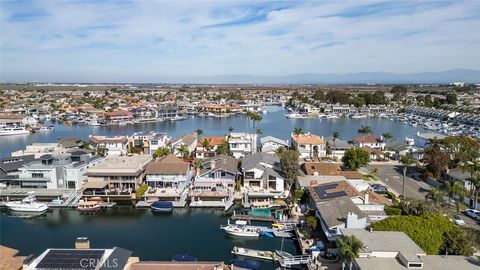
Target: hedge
427, 230
392, 211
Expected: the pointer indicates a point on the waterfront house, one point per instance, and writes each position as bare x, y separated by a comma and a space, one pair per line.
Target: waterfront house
189, 140
168, 178
40, 149
215, 181
395, 250
116, 117
270, 144
167, 112
146, 143
336, 148
262, 179
242, 144
9, 167
118, 174
370, 141
112, 145
56, 171
208, 145
309, 145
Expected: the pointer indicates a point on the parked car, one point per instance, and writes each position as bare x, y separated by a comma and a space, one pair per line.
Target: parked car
379, 188
475, 214
458, 220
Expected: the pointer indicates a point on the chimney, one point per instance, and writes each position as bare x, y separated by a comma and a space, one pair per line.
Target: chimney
366, 198
82, 243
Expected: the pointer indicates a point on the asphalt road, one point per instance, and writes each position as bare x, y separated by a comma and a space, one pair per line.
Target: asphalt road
392, 176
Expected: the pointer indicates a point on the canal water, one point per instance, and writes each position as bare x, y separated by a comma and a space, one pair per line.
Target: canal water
157, 237
150, 236
274, 123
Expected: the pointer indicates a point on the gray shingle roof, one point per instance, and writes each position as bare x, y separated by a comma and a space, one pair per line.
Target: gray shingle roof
253, 161
334, 212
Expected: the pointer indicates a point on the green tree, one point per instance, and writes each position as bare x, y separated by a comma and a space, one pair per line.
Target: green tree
456, 243
141, 190
461, 149
436, 195
387, 136
230, 129
297, 131
406, 161
364, 130
335, 136
474, 169
451, 98
199, 132
355, 158
161, 152
312, 222
426, 230
289, 164
436, 161
205, 142
198, 164
183, 150
224, 148
319, 95
298, 194
280, 150
349, 246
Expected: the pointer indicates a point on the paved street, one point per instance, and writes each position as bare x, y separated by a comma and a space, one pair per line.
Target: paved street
392, 176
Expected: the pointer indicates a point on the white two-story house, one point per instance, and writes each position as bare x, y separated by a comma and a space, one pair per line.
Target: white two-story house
242, 144
113, 145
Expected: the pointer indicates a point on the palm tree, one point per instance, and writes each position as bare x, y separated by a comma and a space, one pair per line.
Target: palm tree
199, 132
198, 163
297, 131
406, 161
230, 129
161, 152
474, 169
255, 118
206, 143
183, 150
436, 195
349, 247
364, 130
259, 131
335, 136
387, 136
448, 188
459, 191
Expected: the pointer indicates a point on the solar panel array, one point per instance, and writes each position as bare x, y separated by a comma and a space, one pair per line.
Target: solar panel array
323, 194
71, 259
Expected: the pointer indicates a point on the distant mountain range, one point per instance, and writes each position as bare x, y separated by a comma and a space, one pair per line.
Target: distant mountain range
449, 76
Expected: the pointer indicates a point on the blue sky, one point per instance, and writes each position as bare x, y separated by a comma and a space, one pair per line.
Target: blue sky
136, 41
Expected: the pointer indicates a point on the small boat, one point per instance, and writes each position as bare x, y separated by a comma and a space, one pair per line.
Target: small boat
46, 129
57, 201
162, 206
28, 204
88, 206
253, 253
96, 199
268, 234
246, 264
184, 258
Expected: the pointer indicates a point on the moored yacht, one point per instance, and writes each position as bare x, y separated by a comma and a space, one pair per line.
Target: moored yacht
13, 130
28, 204
240, 228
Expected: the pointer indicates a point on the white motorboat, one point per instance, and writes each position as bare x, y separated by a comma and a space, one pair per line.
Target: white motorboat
13, 130
28, 204
241, 229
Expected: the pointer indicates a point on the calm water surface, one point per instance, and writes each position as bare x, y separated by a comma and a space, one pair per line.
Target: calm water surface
150, 236
274, 123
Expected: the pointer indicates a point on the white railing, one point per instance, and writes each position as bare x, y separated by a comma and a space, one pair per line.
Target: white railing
294, 260
230, 201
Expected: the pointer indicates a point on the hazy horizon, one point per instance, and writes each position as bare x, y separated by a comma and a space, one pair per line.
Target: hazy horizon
154, 41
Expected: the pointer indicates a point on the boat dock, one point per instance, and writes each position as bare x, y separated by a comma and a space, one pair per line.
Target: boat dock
284, 259
253, 218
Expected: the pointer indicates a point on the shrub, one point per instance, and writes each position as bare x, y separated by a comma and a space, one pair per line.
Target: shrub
141, 190
392, 211
427, 230
392, 197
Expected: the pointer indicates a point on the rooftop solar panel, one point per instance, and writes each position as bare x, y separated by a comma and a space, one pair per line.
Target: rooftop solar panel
71, 259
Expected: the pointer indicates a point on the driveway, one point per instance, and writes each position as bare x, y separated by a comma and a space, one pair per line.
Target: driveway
392, 176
